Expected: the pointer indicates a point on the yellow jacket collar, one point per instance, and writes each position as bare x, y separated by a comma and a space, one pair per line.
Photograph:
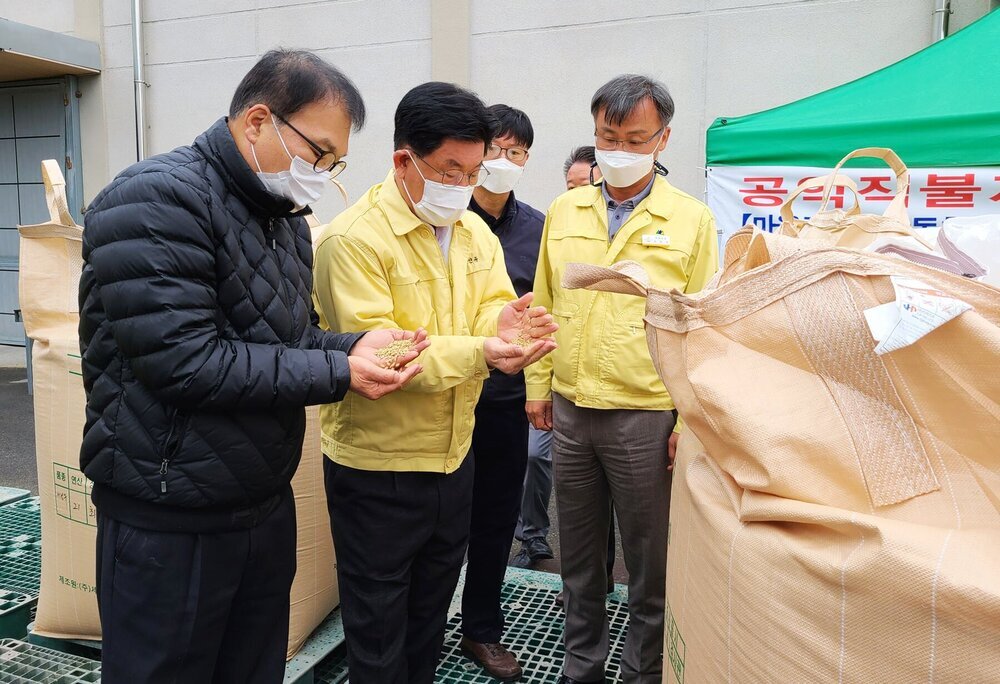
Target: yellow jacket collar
659, 202
401, 219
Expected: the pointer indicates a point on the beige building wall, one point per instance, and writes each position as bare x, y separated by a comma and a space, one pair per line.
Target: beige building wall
718, 57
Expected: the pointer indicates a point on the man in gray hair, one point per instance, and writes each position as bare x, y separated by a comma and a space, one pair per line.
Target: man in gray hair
614, 425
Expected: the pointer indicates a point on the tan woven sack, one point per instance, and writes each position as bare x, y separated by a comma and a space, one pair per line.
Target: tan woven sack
835, 514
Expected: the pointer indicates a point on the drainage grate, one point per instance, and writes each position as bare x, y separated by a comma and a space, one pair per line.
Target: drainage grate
22, 663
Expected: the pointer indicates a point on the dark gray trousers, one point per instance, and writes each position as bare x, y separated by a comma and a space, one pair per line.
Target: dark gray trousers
617, 455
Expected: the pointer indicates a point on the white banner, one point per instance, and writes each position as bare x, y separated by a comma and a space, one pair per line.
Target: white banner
739, 195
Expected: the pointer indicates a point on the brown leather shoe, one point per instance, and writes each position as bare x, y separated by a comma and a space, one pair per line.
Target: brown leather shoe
494, 658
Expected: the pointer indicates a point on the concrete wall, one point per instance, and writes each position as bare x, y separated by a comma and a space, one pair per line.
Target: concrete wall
718, 57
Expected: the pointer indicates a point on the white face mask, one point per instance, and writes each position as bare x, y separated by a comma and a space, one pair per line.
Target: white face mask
503, 175
301, 184
441, 205
622, 169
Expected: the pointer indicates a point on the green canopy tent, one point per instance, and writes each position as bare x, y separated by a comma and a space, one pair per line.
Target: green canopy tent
937, 108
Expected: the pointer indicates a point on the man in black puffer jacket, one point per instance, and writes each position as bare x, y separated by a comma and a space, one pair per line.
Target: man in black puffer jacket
200, 352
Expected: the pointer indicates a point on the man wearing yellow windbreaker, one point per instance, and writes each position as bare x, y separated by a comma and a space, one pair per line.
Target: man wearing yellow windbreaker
611, 416
399, 486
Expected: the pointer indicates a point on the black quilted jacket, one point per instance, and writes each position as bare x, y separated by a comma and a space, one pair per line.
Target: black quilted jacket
199, 341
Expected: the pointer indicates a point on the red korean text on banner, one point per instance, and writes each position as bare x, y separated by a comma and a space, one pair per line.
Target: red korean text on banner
760, 194
876, 188
816, 195
951, 191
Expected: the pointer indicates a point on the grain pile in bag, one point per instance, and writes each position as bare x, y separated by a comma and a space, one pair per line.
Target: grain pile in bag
51, 262
835, 511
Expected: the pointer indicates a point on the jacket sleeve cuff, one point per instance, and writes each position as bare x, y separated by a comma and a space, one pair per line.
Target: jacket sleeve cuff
491, 321
539, 391
480, 369
331, 341
345, 341
341, 370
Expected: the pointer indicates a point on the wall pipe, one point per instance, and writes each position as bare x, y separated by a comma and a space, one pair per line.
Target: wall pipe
139, 81
942, 12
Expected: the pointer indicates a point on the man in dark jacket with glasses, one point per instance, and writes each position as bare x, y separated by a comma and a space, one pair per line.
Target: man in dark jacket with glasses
200, 352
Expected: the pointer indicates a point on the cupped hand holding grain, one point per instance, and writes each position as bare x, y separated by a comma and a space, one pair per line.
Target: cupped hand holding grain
372, 381
511, 357
391, 348
522, 324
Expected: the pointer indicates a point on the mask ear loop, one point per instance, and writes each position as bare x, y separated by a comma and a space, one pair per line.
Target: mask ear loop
657, 166
343, 191
403, 180
254, 153
274, 122
593, 166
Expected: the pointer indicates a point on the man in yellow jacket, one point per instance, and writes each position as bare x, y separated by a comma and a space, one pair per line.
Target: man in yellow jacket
398, 483
611, 416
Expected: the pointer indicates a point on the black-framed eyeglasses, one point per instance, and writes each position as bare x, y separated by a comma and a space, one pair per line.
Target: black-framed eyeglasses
603, 143
325, 160
456, 176
515, 154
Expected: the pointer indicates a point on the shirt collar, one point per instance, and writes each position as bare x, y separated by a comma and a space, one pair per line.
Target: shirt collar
505, 219
632, 202
659, 200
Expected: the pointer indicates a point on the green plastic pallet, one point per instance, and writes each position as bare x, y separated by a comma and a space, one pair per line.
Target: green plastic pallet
20, 564
21, 546
321, 643
534, 632
15, 613
23, 663
11, 494
333, 669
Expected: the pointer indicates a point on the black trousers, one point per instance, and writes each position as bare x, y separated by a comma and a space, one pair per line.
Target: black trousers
500, 449
185, 607
400, 540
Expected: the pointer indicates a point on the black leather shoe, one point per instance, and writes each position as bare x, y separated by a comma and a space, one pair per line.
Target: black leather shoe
538, 549
522, 559
569, 680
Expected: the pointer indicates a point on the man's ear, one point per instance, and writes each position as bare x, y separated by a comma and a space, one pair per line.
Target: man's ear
253, 119
663, 142
400, 160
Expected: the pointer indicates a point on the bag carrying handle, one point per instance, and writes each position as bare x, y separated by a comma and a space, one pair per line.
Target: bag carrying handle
736, 245
55, 193
828, 183
897, 207
625, 277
